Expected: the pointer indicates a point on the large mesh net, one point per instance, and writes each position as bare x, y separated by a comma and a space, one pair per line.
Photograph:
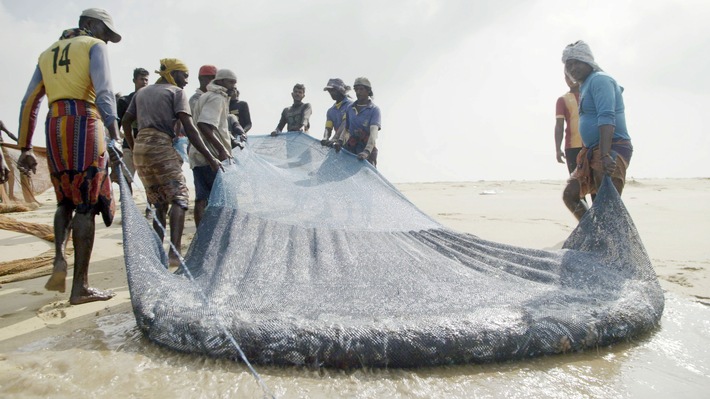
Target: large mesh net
308, 257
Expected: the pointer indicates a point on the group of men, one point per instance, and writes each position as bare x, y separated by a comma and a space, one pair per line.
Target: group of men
353, 125
74, 74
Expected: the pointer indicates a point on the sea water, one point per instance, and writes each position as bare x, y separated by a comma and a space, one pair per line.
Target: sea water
112, 358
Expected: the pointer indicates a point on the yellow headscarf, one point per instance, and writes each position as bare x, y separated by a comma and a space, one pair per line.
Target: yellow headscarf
168, 65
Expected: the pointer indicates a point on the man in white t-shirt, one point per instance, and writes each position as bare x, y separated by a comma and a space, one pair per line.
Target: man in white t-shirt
210, 112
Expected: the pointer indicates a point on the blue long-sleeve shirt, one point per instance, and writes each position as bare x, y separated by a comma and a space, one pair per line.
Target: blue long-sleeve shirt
601, 103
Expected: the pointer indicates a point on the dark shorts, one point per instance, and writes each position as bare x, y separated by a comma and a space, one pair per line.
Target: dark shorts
571, 158
204, 179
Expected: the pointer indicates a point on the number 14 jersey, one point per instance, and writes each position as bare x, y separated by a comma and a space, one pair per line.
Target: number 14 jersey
65, 69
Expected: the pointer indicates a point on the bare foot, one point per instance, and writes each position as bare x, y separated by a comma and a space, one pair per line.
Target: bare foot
57, 281
91, 295
173, 261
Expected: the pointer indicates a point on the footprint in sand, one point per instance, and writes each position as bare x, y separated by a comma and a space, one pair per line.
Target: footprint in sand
53, 311
678, 279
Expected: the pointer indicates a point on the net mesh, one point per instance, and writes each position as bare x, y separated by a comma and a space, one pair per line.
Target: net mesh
308, 257
18, 194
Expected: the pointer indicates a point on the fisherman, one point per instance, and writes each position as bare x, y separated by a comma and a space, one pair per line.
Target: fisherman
602, 125
5, 173
362, 124
74, 74
205, 75
156, 108
211, 114
567, 126
240, 109
296, 117
336, 113
140, 80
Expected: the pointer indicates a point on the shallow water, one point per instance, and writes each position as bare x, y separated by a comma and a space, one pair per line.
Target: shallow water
113, 359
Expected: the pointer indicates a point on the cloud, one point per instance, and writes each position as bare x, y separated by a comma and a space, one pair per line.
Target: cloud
466, 89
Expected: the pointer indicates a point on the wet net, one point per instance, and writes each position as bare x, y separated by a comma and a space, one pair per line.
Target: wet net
308, 257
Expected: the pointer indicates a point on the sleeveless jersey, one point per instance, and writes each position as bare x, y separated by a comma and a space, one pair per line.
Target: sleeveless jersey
65, 69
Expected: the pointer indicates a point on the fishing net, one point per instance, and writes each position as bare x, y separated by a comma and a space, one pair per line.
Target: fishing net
18, 194
309, 257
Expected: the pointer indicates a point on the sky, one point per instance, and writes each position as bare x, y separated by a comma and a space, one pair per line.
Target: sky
467, 89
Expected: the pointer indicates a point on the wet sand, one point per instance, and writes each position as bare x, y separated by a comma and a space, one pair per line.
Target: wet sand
51, 349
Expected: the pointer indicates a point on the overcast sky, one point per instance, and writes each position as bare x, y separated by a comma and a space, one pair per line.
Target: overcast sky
467, 89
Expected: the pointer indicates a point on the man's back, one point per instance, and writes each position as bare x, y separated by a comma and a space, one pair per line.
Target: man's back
601, 103
65, 69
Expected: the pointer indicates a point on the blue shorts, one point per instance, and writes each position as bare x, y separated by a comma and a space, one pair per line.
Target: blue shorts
204, 179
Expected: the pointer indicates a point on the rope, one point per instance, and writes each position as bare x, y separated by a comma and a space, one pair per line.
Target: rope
221, 323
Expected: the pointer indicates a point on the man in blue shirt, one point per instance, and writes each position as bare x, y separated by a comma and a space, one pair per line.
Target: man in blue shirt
602, 125
336, 113
358, 134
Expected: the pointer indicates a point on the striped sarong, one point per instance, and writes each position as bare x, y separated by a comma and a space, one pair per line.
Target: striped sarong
159, 167
77, 158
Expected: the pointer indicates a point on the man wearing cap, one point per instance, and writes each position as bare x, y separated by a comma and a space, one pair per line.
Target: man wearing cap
74, 74
336, 113
211, 114
362, 124
296, 117
602, 124
157, 108
205, 75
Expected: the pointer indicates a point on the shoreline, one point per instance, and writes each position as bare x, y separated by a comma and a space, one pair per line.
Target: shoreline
667, 213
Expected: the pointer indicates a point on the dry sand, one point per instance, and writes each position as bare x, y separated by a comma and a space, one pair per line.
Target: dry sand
669, 214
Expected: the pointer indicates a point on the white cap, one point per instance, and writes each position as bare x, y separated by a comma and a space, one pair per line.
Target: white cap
225, 74
102, 15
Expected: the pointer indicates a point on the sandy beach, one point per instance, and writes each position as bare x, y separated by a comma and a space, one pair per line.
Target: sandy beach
667, 212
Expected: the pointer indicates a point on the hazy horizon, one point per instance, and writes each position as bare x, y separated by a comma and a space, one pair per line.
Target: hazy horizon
467, 89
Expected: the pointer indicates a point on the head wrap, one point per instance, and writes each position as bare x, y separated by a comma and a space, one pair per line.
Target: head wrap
168, 65
338, 85
580, 51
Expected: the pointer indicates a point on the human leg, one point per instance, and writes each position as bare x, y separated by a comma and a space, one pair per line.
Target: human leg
177, 224
83, 235
571, 198
62, 227
200, 206
204, 178
161, 211
128, 161
571, 158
